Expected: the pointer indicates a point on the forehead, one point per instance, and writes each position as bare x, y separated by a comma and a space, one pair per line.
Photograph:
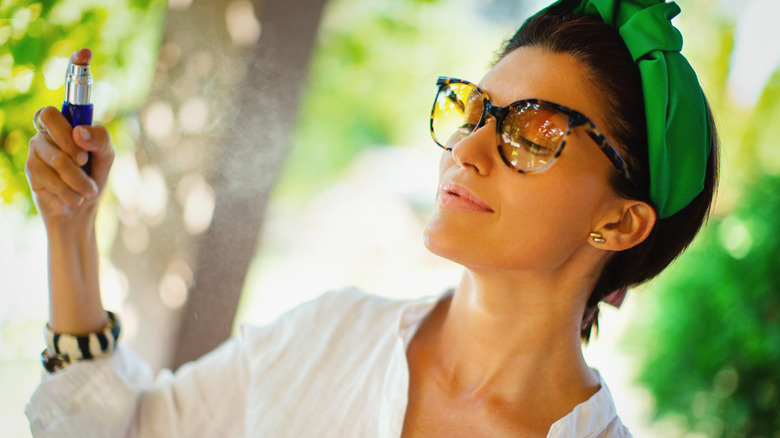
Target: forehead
535, 72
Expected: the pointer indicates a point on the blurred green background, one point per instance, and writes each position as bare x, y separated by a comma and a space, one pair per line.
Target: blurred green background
706, 335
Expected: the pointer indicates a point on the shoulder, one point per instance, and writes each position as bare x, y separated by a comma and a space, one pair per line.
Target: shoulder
331, 311
341, 319
351, 303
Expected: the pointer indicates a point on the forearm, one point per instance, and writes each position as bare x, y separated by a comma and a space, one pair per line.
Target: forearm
75, 306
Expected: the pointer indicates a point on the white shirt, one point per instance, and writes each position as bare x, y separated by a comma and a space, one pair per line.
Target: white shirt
333, 367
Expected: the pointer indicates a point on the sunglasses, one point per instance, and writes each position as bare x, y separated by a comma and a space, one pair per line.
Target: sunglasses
530, 133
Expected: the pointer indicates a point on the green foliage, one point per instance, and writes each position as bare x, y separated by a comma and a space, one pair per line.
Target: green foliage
709, 337
354, 66
712, 342
36, 40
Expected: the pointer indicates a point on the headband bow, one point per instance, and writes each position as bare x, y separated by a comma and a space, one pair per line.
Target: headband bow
679, 134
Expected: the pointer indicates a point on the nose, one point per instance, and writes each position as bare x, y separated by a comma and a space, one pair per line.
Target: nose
478, 150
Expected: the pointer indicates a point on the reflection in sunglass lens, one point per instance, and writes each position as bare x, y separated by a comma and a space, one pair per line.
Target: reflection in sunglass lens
456, 113
531, 134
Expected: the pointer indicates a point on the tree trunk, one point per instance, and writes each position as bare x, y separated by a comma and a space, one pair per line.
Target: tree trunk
214, 134
249, 160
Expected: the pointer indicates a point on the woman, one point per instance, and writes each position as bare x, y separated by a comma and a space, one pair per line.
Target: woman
582, 164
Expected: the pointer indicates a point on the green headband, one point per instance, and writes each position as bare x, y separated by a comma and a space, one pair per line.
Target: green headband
679, 135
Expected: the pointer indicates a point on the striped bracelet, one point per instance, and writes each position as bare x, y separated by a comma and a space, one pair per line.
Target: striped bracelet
63, 349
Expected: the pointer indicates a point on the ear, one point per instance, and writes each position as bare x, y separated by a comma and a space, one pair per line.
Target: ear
625, 227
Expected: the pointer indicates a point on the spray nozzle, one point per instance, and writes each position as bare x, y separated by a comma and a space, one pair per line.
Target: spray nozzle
78, 85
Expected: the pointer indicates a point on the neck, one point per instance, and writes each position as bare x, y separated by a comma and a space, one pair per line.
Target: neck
512, 336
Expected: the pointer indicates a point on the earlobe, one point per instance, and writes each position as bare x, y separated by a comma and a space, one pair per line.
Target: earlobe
626, 229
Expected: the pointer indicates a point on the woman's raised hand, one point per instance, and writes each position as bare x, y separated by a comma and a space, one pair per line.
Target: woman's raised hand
67, 200
61, 190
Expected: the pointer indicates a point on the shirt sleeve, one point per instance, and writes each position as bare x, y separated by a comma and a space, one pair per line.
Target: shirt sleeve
118, 396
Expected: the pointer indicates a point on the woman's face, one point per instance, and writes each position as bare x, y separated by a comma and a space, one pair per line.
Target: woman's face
523, 222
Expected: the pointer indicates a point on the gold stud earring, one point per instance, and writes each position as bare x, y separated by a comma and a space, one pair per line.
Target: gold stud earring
598, 238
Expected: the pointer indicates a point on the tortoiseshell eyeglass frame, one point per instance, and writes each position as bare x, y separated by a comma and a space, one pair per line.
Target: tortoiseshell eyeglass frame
499, 113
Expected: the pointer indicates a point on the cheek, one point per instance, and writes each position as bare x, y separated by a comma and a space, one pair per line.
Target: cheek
560, 204
542, 222
539, 223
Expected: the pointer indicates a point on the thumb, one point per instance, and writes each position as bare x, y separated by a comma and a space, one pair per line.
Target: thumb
97, 141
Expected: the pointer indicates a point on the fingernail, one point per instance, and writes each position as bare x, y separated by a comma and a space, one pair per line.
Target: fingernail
82, 158
94, 187
80, 201
84, 133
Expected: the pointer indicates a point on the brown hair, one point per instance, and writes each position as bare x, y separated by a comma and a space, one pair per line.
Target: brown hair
610, 67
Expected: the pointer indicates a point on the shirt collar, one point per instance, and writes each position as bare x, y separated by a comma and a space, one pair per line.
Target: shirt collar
413, 314
395, 386
588, 418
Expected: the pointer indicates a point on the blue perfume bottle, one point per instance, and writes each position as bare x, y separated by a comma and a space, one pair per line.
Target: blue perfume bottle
77, 107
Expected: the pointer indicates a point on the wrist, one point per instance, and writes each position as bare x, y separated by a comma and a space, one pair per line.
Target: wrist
79, 225
65, 348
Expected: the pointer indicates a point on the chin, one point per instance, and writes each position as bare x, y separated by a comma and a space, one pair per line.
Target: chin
438, 240
431, 243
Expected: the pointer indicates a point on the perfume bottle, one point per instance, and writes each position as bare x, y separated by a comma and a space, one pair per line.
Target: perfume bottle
77, 107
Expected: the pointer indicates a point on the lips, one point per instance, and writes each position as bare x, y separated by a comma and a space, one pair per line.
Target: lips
459, 197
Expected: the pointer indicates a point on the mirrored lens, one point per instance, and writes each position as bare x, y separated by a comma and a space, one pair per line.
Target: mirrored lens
456, 113
531, 135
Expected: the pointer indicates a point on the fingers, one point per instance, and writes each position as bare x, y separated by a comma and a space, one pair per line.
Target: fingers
52, 123
43, 179
57, 153
51, 169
